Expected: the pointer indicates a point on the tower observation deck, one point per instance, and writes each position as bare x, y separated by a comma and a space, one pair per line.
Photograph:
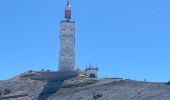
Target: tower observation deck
67, 42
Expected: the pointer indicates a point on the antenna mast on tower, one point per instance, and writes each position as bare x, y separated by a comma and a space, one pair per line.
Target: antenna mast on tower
68, 11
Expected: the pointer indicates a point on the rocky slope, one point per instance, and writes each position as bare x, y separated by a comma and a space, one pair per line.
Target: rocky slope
81, 88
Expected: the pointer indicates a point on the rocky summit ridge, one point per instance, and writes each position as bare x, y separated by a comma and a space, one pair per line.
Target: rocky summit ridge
82, 88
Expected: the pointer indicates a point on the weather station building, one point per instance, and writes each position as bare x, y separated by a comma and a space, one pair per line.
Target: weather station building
66, 59
67, 42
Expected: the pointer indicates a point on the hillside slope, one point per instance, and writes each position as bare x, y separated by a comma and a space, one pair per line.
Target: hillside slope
81, 88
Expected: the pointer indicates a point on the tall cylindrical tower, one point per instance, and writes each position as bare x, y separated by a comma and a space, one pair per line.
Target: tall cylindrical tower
67, 42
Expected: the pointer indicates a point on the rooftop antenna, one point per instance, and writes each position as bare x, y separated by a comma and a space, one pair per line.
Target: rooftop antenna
90, 65
68, 2
68, 11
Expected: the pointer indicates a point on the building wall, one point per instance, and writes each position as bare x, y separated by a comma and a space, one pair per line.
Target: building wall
89, 72
67, 46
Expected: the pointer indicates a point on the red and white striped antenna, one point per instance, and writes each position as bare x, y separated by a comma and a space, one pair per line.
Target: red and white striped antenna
68, 11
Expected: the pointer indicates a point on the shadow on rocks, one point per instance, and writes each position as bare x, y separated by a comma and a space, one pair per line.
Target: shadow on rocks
49, 89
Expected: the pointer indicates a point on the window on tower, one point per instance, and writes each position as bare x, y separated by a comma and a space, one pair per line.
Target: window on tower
71, 35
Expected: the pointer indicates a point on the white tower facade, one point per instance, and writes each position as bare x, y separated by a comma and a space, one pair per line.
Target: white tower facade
67, 42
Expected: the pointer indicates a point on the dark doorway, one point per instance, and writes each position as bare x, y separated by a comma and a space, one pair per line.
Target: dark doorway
92, 75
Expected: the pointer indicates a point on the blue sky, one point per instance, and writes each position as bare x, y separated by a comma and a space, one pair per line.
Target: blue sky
125, 38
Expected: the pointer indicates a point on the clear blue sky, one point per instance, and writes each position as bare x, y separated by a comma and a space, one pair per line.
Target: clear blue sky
125, 38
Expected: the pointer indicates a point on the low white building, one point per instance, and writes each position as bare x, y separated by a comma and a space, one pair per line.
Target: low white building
91, 72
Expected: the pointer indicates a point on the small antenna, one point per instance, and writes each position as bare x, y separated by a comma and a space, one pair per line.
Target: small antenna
90, 64
68, 3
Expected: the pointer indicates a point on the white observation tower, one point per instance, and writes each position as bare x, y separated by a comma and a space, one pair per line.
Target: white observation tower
67, 42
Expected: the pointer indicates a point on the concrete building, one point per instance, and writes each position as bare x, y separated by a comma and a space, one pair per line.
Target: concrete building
91, 72
67, 47
67, 42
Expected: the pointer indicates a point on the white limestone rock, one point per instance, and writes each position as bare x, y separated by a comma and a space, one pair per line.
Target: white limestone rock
81, 88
